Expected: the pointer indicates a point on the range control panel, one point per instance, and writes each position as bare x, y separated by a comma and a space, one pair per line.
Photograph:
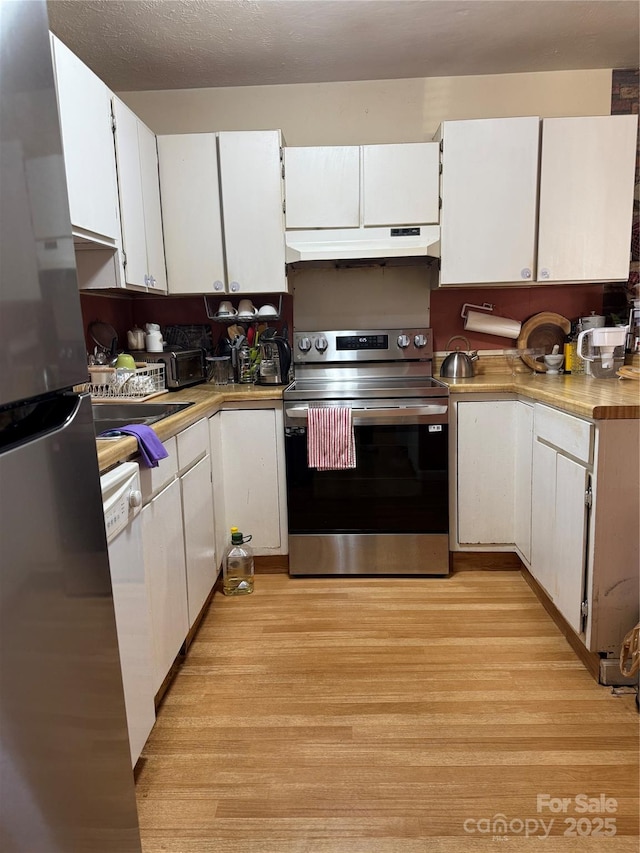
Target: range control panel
365, 345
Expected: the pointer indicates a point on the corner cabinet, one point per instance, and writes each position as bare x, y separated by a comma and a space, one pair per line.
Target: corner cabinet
497, 229
251, 443
222, 202
84, 105
139, 191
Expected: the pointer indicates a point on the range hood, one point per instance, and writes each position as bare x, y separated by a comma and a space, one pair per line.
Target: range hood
356, 243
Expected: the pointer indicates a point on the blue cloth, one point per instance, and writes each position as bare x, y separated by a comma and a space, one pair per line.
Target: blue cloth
150, 447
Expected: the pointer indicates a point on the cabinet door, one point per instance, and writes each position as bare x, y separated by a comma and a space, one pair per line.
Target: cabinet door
523, 454
217, 488
251, 475
543, 515
163, 546
84, 104
401, 184
156, 271
252, 199
486, 436
569, 541
322, 187
489, 198
199, 535
586, 198
134, 239
191, 213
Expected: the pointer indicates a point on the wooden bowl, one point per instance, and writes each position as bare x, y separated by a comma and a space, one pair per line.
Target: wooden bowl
543, 331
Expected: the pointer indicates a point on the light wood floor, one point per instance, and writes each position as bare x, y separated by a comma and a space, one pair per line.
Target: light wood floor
377, 716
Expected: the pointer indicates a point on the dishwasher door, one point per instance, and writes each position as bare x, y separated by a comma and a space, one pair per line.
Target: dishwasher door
122, 501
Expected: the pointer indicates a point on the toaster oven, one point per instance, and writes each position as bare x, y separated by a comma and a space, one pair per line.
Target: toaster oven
182, 367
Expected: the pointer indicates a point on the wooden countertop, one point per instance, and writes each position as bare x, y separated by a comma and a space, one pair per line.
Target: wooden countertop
207, 400
599, 399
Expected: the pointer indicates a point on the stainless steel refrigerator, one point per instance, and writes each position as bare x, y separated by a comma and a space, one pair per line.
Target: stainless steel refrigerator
66, 784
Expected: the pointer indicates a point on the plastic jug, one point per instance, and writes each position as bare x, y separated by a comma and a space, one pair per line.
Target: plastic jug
237, 566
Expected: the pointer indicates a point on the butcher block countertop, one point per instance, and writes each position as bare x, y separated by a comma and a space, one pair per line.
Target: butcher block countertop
599, 399
207, 400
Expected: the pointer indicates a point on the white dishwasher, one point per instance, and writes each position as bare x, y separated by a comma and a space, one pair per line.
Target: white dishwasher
122, 502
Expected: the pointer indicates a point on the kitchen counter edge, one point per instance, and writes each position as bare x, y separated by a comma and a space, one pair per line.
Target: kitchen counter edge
597, 399
206, 399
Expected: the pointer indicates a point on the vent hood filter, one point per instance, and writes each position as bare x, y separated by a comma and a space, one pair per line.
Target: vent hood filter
357, 243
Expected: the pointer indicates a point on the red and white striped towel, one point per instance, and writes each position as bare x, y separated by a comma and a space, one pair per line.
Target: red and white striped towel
330, 440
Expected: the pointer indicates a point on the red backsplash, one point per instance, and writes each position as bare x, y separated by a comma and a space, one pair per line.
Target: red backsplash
517, 303
116, 310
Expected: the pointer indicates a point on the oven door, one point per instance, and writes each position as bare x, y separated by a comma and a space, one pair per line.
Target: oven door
388, 515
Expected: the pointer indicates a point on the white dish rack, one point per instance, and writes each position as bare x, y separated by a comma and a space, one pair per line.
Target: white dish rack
117, 384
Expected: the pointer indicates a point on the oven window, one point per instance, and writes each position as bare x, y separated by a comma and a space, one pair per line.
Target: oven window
400, 484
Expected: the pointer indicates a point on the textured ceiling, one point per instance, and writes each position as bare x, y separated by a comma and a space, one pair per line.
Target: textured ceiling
181, 44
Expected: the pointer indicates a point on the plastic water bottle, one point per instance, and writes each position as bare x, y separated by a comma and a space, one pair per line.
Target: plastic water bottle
237, 567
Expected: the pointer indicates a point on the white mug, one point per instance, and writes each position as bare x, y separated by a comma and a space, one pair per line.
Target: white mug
226, 308
246, 306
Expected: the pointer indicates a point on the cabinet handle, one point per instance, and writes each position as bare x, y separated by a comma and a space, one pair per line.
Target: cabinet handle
526, 273
544, 273
235, 287
218, 285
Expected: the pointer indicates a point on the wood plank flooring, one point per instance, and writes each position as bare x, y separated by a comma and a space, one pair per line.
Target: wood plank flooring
386, 715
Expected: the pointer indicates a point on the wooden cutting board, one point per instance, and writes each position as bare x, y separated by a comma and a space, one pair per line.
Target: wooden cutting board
543, 331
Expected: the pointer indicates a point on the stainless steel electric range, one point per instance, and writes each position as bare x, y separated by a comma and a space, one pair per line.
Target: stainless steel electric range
388, 515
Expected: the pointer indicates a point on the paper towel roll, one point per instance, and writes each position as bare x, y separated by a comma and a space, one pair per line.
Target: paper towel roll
487, 324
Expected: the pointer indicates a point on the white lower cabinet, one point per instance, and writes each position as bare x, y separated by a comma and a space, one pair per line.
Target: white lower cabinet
562, 447
194, 465
252, 460
163, 545
522, 497
486, 471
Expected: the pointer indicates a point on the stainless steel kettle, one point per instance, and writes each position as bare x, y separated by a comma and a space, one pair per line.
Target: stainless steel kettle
458, 365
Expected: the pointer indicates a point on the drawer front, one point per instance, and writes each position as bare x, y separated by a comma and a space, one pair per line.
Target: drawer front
571, 435
153, 480
193, 444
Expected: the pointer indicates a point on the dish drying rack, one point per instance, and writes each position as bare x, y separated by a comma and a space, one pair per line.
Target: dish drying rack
139, 384
211, 304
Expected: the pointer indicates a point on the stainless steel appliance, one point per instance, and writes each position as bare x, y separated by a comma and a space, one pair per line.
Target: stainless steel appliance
182, 367
275, 361
65, 775
388, 515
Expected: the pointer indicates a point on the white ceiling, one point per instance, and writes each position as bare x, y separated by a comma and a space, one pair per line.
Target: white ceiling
183, 44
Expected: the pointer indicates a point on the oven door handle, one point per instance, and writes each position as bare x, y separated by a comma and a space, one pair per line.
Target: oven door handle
363, 416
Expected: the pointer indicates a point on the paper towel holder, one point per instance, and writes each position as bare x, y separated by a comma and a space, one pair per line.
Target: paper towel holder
486, 306
489, 324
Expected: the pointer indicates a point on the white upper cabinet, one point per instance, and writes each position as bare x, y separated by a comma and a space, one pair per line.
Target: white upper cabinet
322, 187
358, 186
586, 198
252, 196
191, 212
222, 201
400, 184
84, 104
489, 200
492, 230
139, 191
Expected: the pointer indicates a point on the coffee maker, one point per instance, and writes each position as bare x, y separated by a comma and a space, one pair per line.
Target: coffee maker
275, 359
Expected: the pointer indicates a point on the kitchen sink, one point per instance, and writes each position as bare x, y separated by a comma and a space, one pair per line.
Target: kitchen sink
115, 415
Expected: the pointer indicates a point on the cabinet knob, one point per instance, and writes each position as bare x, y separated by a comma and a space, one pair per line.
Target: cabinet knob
544, 273
235, 287
526, 273
152, 281
218, 285
146, 280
